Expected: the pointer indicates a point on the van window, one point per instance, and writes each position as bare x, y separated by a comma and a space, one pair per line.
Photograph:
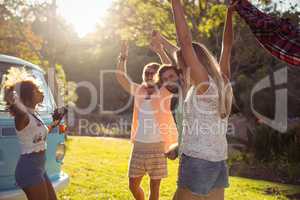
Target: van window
48, 103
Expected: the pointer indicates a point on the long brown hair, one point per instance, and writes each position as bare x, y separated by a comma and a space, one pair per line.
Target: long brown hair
212, 67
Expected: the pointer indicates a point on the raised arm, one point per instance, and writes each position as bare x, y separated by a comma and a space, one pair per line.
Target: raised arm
227, 43
157, 46
168, 46
197, 71
16, 108
121, 75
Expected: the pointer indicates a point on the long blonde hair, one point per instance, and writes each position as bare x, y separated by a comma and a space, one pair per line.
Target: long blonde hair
212, 67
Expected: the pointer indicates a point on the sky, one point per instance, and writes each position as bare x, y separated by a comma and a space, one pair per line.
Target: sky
85, 14
286, 3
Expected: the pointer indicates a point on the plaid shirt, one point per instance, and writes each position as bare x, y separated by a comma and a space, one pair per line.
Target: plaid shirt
278, 36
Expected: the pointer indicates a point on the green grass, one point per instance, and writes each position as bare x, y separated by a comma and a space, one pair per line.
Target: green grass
98, 171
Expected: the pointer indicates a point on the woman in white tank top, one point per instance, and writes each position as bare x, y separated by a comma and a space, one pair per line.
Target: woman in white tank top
203, 172
22, 97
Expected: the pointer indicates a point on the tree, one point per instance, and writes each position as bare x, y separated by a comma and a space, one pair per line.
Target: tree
16, 36
134, 20
25, 32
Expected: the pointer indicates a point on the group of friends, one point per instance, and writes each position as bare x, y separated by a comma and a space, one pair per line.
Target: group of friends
181, 109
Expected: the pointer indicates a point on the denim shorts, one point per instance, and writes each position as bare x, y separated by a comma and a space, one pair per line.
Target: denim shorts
30, 170
201, 176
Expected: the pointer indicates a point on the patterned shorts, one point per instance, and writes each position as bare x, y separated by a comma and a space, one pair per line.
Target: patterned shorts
148, 158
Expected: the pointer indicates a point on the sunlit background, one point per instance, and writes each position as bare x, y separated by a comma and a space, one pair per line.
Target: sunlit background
83, 15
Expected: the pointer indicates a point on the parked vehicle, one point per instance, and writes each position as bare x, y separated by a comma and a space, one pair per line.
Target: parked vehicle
9, 146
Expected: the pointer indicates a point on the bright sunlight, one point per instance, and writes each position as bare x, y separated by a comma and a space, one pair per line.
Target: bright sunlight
83, 14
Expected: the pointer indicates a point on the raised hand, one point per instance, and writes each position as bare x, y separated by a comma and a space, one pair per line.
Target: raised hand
124, 49
232, 5
121, 73
156, 44
172, 154
10, 96
227, 43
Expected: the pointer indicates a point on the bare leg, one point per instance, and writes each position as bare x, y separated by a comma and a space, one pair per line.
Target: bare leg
175, 197
51, 191
154, 189
185, 194
216, 194
135, 188
38, 192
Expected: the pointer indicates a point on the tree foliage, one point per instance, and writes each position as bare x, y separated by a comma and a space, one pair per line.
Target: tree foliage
27, 32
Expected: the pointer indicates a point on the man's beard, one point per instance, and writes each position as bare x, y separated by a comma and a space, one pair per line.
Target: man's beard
174, 88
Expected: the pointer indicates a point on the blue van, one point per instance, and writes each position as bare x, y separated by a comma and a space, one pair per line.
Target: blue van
9, 146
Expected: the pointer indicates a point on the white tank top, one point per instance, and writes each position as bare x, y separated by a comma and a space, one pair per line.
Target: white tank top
148, 131
204, 131
33, 137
